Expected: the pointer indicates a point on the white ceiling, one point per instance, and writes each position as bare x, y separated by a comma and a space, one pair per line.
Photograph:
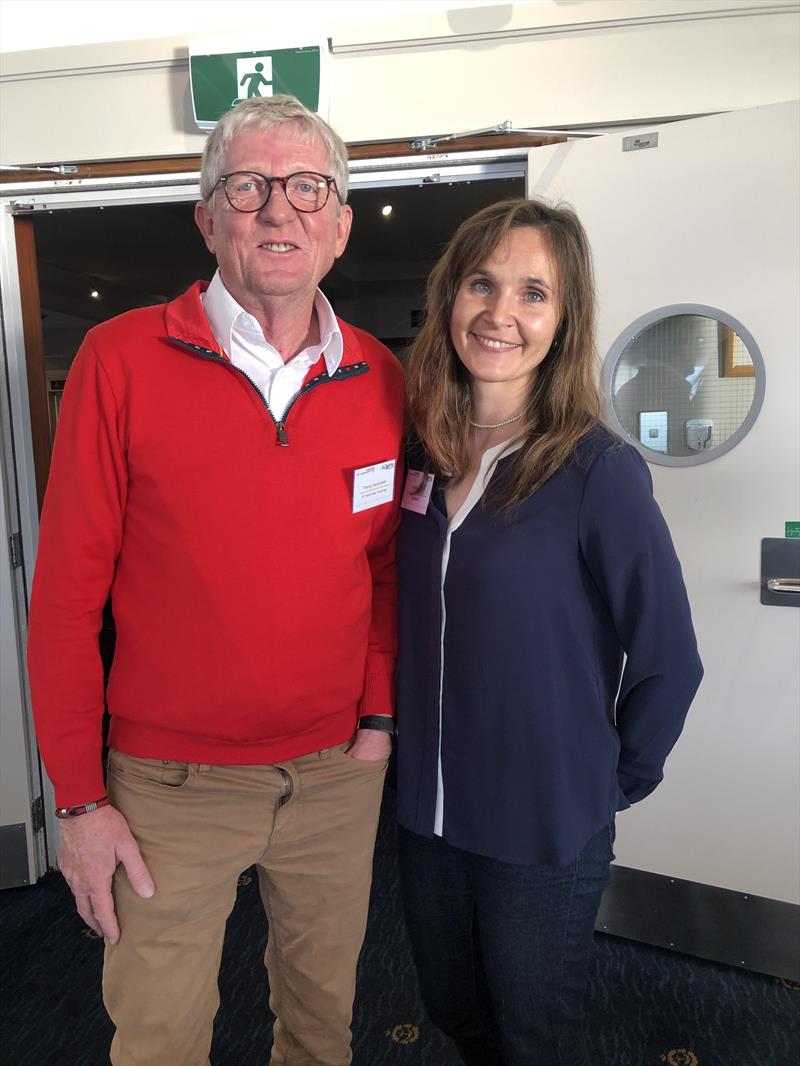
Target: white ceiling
28, 24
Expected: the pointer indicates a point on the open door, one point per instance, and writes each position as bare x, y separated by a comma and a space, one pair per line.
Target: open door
694, 227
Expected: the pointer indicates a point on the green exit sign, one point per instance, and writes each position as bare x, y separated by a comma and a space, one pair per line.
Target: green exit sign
222, 79
792, 529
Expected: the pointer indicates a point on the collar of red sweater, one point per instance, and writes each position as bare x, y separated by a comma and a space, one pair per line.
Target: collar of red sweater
186, 320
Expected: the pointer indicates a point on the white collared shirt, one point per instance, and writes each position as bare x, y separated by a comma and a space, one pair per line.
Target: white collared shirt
242, 340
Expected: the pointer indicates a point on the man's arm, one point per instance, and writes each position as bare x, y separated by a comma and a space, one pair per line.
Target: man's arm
378, 697
79, 542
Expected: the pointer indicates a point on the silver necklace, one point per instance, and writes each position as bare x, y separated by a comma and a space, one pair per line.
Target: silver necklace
496, 425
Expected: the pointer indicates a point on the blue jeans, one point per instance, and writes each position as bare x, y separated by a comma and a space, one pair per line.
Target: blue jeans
502, 949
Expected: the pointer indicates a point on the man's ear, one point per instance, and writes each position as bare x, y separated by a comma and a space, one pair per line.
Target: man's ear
204, 217
344, 221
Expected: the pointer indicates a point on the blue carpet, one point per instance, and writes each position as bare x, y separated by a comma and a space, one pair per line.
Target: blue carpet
647, 1007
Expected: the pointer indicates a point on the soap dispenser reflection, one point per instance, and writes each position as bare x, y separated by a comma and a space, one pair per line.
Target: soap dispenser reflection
699, 432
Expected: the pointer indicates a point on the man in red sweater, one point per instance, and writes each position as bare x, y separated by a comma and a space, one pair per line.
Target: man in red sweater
225, 468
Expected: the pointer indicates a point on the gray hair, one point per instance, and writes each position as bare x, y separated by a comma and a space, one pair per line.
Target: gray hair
263, 113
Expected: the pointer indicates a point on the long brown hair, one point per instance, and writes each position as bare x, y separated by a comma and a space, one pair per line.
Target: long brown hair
563, 403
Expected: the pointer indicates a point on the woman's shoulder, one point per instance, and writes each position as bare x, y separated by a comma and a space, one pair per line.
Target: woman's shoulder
603, 457
612, 472
597, 441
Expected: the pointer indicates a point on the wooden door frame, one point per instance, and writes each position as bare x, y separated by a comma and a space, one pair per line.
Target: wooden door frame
139, 168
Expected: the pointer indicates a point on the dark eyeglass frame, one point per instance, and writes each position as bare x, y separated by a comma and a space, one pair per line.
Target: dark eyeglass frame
330, 183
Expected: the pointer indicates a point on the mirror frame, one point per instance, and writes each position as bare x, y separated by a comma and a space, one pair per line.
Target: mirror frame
617, 349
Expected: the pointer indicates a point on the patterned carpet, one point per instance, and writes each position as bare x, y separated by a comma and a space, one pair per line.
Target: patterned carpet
646, 1007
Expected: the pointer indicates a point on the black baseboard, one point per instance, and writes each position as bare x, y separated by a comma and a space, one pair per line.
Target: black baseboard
749, 932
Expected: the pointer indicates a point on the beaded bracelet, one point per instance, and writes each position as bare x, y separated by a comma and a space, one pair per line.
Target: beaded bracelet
82, 808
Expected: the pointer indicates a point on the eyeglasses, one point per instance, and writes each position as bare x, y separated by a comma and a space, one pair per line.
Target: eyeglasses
305, 191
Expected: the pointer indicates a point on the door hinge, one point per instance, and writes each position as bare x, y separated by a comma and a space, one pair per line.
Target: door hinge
25, 207
15, 548
37, 815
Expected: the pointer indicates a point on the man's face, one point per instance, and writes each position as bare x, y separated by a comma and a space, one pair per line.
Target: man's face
277, 251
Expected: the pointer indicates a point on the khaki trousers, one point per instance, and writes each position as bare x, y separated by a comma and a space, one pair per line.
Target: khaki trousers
309, 826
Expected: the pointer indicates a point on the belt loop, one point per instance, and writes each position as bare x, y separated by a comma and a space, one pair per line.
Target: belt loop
204, 768
324, 753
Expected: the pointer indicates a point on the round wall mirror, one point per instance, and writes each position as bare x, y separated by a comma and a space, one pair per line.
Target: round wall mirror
684, 384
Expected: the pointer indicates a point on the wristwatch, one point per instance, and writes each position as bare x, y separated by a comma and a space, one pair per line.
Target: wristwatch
384, 723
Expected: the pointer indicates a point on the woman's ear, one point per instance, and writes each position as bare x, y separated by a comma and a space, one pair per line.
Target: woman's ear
558, 339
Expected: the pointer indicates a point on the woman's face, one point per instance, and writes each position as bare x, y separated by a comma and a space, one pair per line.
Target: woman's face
506, 312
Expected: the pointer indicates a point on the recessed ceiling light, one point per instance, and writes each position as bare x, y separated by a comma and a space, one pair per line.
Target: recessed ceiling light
386, 210
95, 294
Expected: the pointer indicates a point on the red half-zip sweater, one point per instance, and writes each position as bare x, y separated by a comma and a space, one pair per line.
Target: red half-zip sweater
255, 612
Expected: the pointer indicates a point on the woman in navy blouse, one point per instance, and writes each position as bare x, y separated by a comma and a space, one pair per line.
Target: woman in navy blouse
547, 657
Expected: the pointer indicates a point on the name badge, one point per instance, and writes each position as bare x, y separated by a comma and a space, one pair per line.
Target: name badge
373, 485
417, 492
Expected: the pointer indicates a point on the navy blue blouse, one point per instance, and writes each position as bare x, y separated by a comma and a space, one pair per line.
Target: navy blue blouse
569, 660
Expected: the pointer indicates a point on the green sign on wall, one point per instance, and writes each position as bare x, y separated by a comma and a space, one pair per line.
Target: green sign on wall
222, 80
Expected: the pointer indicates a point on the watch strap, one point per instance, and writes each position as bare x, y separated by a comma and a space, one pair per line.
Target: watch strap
382, 722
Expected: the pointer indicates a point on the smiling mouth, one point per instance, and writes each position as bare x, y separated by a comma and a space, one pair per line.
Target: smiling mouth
276, 246
492, 345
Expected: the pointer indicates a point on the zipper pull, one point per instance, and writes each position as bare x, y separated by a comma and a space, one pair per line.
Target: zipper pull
283, 440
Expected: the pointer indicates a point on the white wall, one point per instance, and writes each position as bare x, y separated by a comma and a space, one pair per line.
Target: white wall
427, 69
